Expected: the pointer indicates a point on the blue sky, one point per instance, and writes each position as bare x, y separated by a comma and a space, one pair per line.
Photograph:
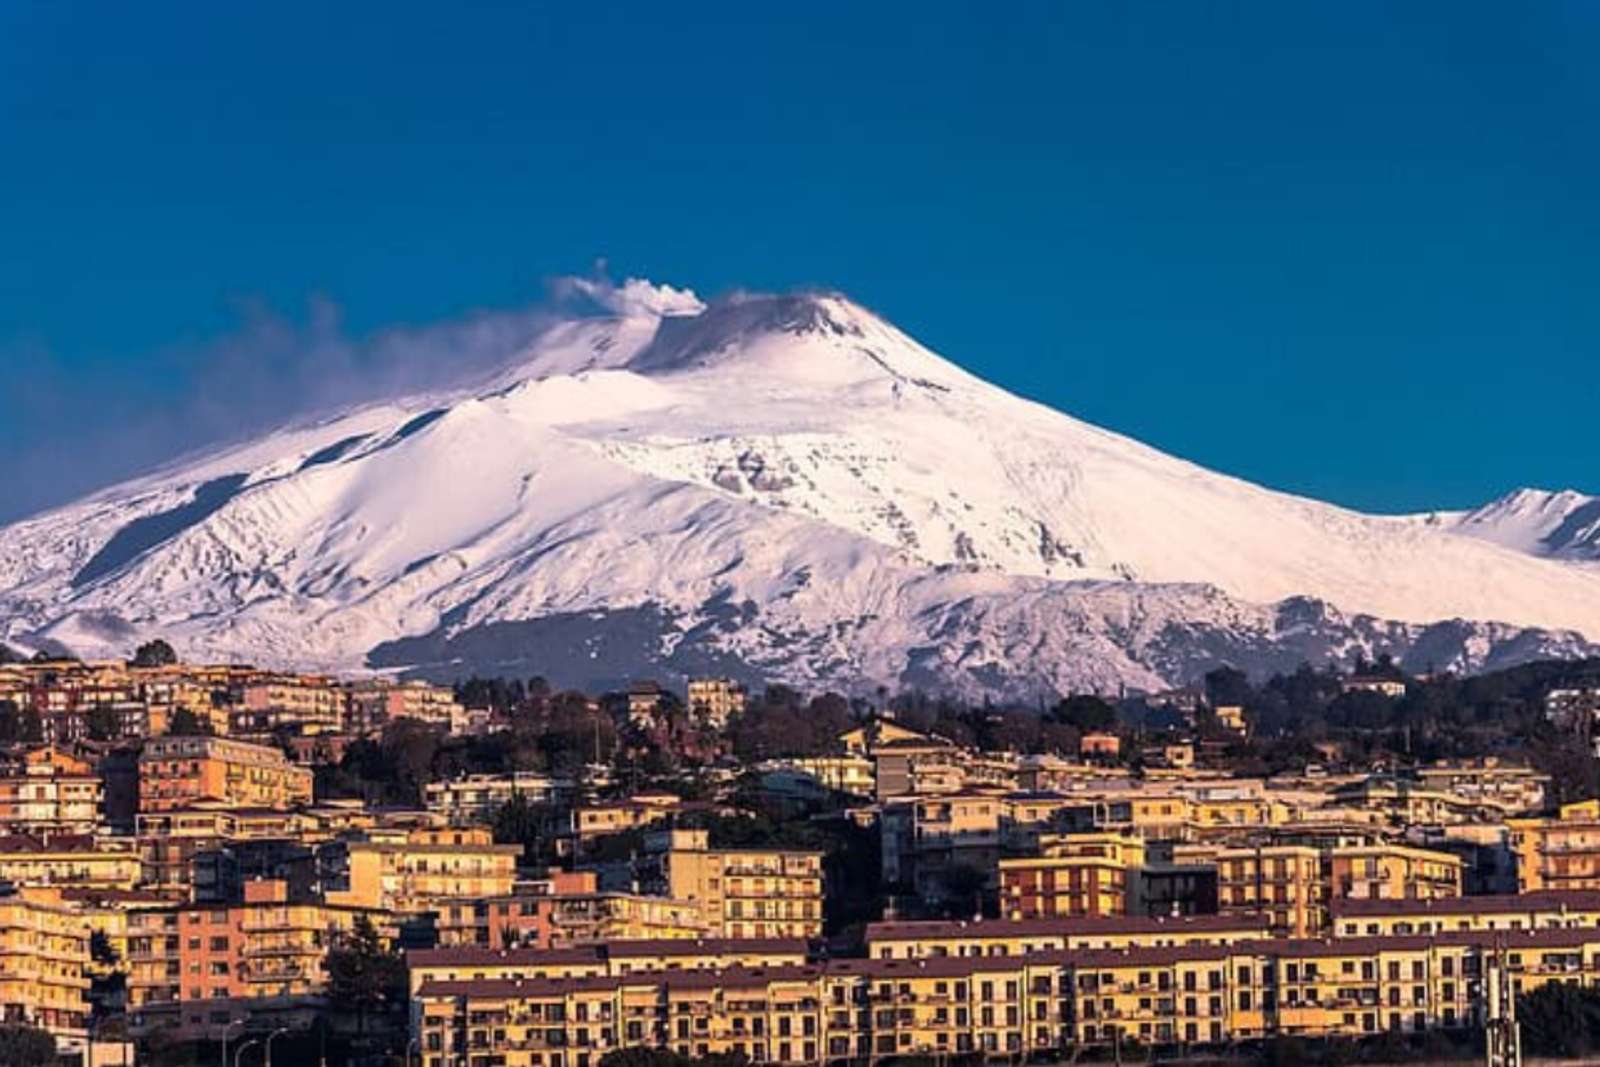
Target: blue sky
1350, 250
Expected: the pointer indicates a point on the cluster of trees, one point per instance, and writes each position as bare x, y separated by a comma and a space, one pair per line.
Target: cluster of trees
1440, 717
555, 732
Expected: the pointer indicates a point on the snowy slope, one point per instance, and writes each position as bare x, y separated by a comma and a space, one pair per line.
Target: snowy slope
779, 486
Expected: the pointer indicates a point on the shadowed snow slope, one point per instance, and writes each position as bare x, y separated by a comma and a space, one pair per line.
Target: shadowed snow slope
779, 487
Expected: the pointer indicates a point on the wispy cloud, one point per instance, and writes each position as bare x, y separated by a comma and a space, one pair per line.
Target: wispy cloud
65, 431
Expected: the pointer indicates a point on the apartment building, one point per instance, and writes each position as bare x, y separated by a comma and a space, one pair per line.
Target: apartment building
590, 822
1282, 882
820, 775
1075, 875
1512, 787
925, 839
198, 969
582, 916
77, 860
1392, 872
613, 959
44, 948
1044, 1004
300, 704
48, 790
1560, 851
169, 840
178, 772
740, 892
1547, 910
413, 870
370, 706
716, 701
476, 797
935, 940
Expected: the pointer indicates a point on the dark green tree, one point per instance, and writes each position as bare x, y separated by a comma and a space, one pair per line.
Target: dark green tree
1560, 1020
155, 653
104, 723
185, 723
25, 1046
520, 821
1085, 712
365, 978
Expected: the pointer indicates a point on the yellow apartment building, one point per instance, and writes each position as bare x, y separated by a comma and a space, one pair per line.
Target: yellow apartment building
1283, 882
742, 892
936, 940
1392, 872
64, 860
613, 959
417, 869
1047, 1004
44, 948
1546, 910
1559, 852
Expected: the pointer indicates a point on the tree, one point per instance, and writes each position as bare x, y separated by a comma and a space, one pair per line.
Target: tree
1228, 687
25, 1046
364, 976
185, 723
104, 723
1085, 712
963, 886
520, 821
644, 1056
1560, 1020
155, 653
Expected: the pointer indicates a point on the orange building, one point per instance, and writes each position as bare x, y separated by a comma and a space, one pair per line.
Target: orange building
199, 968
1078, 874
176, 772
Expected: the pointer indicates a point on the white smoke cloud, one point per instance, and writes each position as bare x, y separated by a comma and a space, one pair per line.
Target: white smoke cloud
638, 296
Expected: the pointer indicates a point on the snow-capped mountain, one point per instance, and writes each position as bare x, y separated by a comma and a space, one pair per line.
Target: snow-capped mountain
781, 487
1559, 525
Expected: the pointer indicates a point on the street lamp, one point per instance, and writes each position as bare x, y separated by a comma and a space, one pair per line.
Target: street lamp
276, 1033
238, 1053
225, 1031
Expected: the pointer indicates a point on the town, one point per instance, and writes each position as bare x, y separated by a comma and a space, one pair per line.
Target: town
203, 861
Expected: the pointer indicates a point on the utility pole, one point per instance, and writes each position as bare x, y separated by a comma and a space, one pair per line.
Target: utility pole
1503, 1037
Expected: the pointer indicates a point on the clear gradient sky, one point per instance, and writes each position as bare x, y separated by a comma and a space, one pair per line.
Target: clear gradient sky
1346, 249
